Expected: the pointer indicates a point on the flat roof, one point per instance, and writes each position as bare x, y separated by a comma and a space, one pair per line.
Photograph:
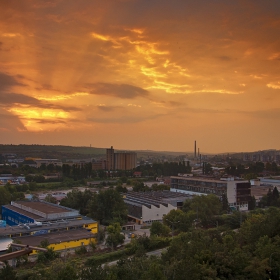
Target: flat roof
56, 237
46, 208
58, 224
23, 212
154, 198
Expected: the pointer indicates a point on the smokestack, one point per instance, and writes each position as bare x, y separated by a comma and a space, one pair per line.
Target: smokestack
195, 148
198, 152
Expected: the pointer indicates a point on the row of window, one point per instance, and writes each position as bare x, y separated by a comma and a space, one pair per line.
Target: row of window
238, 204
199, 183
151, 221
16, 221
198, 189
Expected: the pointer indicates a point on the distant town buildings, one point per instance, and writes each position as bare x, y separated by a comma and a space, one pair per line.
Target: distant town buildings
120, 160
40, 162
98, 164
9, 178
263, 156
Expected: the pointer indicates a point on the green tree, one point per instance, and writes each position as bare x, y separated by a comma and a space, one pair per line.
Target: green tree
275, 197
234, 220
45, 257
95, 272
160, 187
5, 196
18, 196
50, 198
114, 237
67, 272
32, 186
140, 187
119, 188
108, 206
225, 205
252, 203
250, 176
8, 273
178, 220
159, 229
78, 200
205, 206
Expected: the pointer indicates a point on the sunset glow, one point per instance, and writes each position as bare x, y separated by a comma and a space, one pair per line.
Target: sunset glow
141, 74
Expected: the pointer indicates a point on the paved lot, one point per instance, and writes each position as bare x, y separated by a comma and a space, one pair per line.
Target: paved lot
139, 231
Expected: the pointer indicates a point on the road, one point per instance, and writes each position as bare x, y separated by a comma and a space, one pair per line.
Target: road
152, 253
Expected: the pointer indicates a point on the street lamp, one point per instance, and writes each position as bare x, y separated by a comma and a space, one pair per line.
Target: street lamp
172, 223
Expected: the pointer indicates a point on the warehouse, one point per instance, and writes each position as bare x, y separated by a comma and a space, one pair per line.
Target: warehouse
33, 222
147, 207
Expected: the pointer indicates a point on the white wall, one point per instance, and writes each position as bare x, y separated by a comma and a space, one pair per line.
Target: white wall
155, 213
231, 191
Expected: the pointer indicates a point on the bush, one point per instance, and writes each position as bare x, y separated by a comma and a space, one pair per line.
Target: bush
99, 259
44, 257
142, 243
81, 251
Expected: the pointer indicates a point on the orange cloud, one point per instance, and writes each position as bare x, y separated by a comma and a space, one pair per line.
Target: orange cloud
119, 67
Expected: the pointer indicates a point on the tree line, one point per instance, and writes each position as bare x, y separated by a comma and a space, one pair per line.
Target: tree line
164, 169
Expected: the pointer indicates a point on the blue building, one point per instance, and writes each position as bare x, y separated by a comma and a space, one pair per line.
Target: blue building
26, 212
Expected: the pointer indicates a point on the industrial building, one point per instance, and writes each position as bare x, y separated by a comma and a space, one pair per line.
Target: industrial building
261, 186
32, 222
9, 178
147, 207
98, 164
120, 160
238, 192
46, 162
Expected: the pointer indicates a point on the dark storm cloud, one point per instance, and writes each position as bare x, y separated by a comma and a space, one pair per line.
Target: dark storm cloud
9, 99
121, 91
7, 81
132, 118
12, 98
225, 58
108, 108
50, 121
9, 121
46, 87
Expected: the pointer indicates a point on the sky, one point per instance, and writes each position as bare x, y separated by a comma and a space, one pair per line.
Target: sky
141, 74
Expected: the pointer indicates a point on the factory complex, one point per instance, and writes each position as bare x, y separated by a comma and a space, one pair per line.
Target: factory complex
31, 222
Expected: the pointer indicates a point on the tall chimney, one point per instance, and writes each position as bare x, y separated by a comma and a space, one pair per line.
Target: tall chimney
195, 148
